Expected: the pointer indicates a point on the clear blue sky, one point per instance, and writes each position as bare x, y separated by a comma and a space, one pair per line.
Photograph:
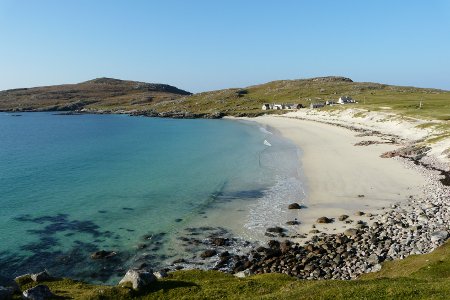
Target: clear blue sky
203, 45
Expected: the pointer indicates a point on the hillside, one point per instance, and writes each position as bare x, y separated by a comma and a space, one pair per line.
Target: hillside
373, 96
112, 96
99, 94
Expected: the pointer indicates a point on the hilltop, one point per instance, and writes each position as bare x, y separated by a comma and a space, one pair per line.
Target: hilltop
101, 94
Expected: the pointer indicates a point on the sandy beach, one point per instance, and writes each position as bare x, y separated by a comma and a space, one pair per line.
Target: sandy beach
343, 178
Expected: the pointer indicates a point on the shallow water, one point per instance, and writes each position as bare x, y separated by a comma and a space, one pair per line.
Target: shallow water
74, 184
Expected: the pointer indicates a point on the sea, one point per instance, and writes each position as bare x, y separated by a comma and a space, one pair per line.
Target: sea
138, 188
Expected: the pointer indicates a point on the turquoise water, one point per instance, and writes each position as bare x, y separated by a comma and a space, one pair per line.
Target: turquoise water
74, 184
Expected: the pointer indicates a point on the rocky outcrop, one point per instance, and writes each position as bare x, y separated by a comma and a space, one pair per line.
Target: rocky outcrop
39, 292
138, 279
103, 254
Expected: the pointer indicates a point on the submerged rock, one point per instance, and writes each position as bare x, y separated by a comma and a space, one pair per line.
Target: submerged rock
294, 206
40, 277
139, 279
102, 254
208, 253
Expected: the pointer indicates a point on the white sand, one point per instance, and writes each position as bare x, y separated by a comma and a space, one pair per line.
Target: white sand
337, 172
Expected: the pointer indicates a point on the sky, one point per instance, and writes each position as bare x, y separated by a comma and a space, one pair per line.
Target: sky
201, 45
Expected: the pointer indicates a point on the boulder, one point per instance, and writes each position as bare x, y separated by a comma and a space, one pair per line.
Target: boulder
139, 279
243, 274
351, 232
275, 229
40, 277
343, 217
294, 206
219, 241
324, 220
439, 236
39, 292
102, 254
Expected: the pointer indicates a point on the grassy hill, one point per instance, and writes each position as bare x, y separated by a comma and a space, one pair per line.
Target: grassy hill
112, 95
416, 277
98, 94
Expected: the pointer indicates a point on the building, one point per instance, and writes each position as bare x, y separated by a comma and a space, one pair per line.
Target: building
317, 105
345, 99
267, 106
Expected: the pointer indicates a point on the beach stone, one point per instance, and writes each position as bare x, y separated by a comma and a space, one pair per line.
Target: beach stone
439, 236
343, 217
40, 277
139, 279
208, 253
219, 241
293, 222
324, 220
275, 229
39, 292
359, 213
294, 206
351, 232
102, 254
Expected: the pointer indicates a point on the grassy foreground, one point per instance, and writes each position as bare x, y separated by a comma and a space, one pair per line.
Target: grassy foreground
416, 277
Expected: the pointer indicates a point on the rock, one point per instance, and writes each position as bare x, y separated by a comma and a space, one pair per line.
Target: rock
295, 222
351, 232
324, 220
40, 277
376, 268
294, 206
160, 274
208, 253
39, 292
359, 213
285, 246
373, 259
361, 196
219, 241
275, 229
343, 217
139, 279
243, 274
102, 254
439, 236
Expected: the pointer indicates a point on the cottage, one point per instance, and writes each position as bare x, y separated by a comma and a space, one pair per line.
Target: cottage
277, 106
317, 105
330, 102
345, 99
266, 106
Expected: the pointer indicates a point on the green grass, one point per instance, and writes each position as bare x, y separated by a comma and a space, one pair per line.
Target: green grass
416, 277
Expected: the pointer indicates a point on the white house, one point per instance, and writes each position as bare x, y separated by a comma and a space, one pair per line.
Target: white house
345, 99
278, 106
266, 106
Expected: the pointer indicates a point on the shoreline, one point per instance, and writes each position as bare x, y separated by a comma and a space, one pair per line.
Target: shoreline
343, 178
